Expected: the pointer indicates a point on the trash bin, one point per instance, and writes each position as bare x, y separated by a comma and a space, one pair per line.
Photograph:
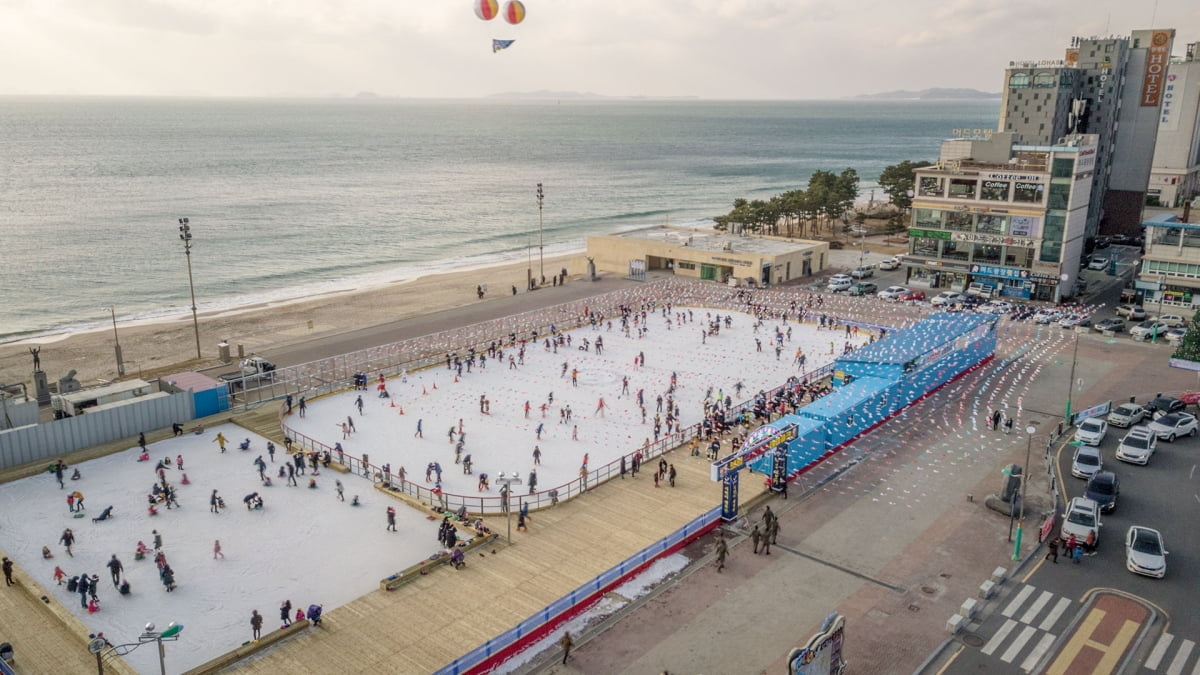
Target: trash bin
223, 351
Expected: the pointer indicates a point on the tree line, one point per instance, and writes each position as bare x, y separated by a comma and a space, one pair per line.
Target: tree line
826, 201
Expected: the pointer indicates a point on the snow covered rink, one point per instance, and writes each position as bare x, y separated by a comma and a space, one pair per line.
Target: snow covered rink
307, 547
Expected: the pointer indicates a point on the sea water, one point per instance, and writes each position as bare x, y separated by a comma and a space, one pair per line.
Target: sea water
288, 198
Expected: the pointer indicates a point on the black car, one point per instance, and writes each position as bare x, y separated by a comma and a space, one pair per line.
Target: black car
1103, 488
1163, 405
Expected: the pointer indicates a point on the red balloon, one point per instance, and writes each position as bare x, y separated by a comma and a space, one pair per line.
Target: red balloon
486, 9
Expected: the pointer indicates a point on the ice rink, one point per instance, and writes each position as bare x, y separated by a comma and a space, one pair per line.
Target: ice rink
307, 547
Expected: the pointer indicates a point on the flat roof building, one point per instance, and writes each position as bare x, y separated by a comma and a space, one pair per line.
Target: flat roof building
1175, 176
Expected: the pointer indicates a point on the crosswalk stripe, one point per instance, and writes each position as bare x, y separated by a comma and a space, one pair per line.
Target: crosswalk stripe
1181, 657
1160, 650
999, 637
1017, 601
1038, 652
1018, 644
1036, 608
1052, 617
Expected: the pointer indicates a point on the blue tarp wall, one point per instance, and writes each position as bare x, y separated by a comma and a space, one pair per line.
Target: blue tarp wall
810, 445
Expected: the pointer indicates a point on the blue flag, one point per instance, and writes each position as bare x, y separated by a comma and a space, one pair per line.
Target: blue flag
497, 45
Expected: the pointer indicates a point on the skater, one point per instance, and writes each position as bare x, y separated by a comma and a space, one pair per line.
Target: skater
600, 406
419, 433
220, 440
213, 503
217, 550
270, 453
314, 614
67, 539
995, 420
8, 570
285, 613
303, 407
262, 468
340, 490
537, 455
157, 540
391, 519
115, 567
256, 624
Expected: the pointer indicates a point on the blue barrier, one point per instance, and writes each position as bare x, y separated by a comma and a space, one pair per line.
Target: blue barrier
544, 621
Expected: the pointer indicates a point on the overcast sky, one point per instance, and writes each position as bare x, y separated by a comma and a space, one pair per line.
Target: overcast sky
720, 49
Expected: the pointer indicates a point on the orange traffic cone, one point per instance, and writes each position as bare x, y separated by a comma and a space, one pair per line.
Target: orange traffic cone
435, 385
401, 411
393, 404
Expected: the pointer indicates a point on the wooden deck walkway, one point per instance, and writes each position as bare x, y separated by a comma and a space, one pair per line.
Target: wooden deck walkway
430, 622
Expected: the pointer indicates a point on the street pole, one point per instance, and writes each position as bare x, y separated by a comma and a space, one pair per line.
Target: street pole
1071, 382
529, 263
117, 341
185, 234
541, 249
506, 483
1029, 432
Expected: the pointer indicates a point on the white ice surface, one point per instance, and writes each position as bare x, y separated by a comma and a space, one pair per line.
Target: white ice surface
308, 547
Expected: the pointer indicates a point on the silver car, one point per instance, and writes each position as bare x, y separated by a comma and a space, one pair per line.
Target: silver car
1170, 427
1137, 446
1145, 553
1086, 463
1126, 415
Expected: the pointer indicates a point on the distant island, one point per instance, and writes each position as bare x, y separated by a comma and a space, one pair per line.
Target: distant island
935, 94
582, 96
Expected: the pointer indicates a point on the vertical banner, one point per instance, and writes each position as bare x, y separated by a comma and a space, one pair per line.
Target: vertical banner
779, 470
729, 496
1158, 54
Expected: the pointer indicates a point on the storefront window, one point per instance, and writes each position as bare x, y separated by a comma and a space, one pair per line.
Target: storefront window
992, 224
994, 190
1029, 193
959, 221
961, 188
925, 246
932, 186
928, 218
954, 250
986, 253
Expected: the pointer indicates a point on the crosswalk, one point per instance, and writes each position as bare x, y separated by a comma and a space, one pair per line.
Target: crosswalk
1033, 619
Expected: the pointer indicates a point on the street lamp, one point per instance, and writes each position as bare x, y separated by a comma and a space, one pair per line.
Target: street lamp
529, 264
185, 235
98, 645
117, 340
506, 483
1029, 432
541, 250
1071, 382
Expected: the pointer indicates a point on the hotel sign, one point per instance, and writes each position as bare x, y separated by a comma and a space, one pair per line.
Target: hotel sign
1157, 56
994, 239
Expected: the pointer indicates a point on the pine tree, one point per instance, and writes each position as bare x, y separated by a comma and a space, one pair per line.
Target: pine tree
1189, 348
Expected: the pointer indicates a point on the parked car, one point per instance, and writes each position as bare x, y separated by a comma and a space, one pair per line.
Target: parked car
1147, 329
1170, 427
1115, 325
1164, 405
892, 292
1104, 488
1081, 519
1172, 320
1074, 321
1132, 312
1091, 431
1137, 447
1127, 415
1047, 315
862, 272
1145, 553
890, 264
1087, 462
1174, 336
1098, 263
840, 282
913, 295
946, 298
996, 307
864, 288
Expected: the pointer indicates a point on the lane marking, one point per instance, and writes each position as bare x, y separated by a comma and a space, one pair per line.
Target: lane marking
1055, 613
999, 637
1111, 653
1160, 650
1036, 608
1038, 652
1017, 602
1018, 644
1181, 657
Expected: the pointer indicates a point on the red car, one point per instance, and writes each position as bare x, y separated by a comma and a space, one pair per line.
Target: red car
914, 295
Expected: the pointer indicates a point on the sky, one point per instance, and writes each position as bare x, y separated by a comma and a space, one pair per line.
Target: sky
711, 49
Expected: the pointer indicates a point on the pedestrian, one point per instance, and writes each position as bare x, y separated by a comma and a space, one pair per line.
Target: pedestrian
622, 467
213, 501
67, 539
1008, 425
256, 624
566, 642
8, 570
671, 475
285, 613
1077, 554
767, 517
1089, 544
756, 537
270, 453
995, 420
216, 550
303, 407
537, 455
391, 519
773, 530
1052, 554
1070, 546
287, 400
419, 434
157, 540
58, 474
340, 490
115, 567
722, 552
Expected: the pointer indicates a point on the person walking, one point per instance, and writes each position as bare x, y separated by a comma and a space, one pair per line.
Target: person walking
115, 567
1052, 553
157, 540
213, 502
566, 643
995, 420
773, 530
420, 433
217, 550
8, 570
1077, 554
722, 552
67, 539
756, 537
671, 475
256, 624
391, 519
340, 490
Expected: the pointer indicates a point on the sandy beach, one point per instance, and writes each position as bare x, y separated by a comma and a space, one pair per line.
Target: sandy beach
166, 347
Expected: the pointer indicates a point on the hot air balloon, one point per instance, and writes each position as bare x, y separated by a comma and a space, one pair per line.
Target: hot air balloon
488, 9
514, 12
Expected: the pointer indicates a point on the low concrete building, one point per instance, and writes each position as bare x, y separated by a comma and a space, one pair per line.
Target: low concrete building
708, 254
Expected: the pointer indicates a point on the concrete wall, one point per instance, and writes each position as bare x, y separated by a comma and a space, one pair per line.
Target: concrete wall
18, 413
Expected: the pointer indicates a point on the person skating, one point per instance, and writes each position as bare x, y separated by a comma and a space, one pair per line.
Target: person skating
67, 539
115, 567
217, 550
340, 490
285, 613
256, 624
391, 519
214, 502
220, 440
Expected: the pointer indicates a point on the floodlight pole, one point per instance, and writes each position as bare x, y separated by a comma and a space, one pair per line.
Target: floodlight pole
185, 235
117, 339
1029, 432
541, 248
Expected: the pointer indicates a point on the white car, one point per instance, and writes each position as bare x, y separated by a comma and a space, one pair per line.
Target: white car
1091, 431
946, 298
996, 307
1126, 415
840, 282
1047, 315
890, 264
1146, 329
862, 272
892, 292
1086, 463
1098, 263
1145, 553
1170, 427
1137, 446
1172, 321
1082, 518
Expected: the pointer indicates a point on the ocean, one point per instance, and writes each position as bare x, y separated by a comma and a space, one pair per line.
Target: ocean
288, 198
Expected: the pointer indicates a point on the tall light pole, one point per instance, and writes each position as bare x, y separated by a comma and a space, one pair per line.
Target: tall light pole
117, 340
185, 235
1071, 382
541, 249
1029, 432
529, 263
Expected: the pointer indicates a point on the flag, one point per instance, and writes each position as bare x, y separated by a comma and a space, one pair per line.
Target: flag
497, 45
